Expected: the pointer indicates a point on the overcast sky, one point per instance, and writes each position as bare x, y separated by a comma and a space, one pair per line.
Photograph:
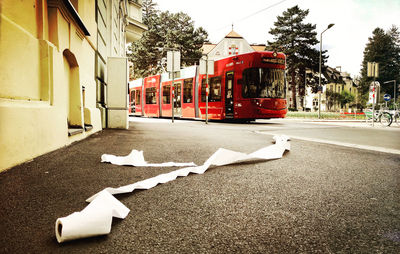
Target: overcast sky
354, 22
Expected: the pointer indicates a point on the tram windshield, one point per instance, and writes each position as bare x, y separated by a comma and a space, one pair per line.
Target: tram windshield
263, 83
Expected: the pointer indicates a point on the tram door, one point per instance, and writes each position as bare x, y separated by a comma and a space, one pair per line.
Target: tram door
229, 94
177, 99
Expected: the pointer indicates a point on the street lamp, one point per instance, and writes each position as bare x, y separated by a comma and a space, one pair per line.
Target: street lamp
320, 63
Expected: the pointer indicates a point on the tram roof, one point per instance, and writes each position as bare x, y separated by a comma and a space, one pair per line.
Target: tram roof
187, 72
136, 83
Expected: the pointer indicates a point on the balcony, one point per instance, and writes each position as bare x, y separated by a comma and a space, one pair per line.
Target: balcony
135, 27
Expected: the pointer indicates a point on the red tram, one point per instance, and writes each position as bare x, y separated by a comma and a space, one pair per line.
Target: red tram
244, 87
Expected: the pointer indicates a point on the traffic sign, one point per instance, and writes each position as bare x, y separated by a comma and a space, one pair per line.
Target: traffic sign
206, 66
173, 61
373, 69
387, 97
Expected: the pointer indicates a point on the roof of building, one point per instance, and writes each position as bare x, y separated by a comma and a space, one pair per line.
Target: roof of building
233, 34
258, 47
333, 75
207, 47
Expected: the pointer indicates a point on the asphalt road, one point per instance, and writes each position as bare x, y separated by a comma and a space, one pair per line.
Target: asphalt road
319, 197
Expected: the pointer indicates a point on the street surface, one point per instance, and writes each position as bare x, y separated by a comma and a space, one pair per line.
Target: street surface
336, 191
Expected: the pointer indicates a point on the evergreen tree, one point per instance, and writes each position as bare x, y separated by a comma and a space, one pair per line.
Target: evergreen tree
394, 33
383, 48
150, 12
165, 30
297, 40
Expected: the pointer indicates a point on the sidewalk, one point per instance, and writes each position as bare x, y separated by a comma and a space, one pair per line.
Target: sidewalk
348, 123
34, 194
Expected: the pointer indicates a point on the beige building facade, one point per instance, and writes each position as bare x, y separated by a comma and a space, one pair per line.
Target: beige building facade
50, 72
338, 84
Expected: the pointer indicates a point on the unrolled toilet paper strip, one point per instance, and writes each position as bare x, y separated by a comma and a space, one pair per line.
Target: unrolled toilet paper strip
96, 218
136, 159
219, 158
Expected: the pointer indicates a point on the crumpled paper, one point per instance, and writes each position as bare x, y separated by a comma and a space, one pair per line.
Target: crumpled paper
136, 159
96, 218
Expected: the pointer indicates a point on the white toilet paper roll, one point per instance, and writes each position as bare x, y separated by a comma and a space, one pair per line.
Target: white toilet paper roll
83, 224
94, 220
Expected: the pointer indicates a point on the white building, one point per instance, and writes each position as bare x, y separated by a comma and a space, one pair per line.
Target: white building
231, 44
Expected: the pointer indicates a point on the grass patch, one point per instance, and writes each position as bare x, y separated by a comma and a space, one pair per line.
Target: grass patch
324, 115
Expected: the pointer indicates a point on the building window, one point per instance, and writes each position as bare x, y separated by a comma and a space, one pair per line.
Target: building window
233, 50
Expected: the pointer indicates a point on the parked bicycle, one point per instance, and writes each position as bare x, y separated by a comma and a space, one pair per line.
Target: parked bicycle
382, 116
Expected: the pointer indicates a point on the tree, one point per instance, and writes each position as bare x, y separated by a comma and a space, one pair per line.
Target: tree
150, 12
178, 32
297, 40
383, 48
345, 97
165, 30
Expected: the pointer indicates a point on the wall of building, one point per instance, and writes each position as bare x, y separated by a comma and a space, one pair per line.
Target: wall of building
47, 80
228, 47
111, 40
135, 26
53, 71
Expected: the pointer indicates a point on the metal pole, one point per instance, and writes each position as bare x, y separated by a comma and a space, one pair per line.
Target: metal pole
373, 99
394, 90
173, 88
319, 85
320, 63
207, 90
305, 90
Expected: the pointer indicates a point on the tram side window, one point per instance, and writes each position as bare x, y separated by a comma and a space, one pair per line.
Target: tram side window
215, 89
138, 97
187, 90
166, 95
132, 97
151, 97
203, 90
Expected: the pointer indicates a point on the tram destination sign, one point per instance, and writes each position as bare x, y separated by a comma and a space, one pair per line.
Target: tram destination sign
272, 60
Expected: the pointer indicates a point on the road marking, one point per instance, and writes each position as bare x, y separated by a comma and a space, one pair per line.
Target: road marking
330, 142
